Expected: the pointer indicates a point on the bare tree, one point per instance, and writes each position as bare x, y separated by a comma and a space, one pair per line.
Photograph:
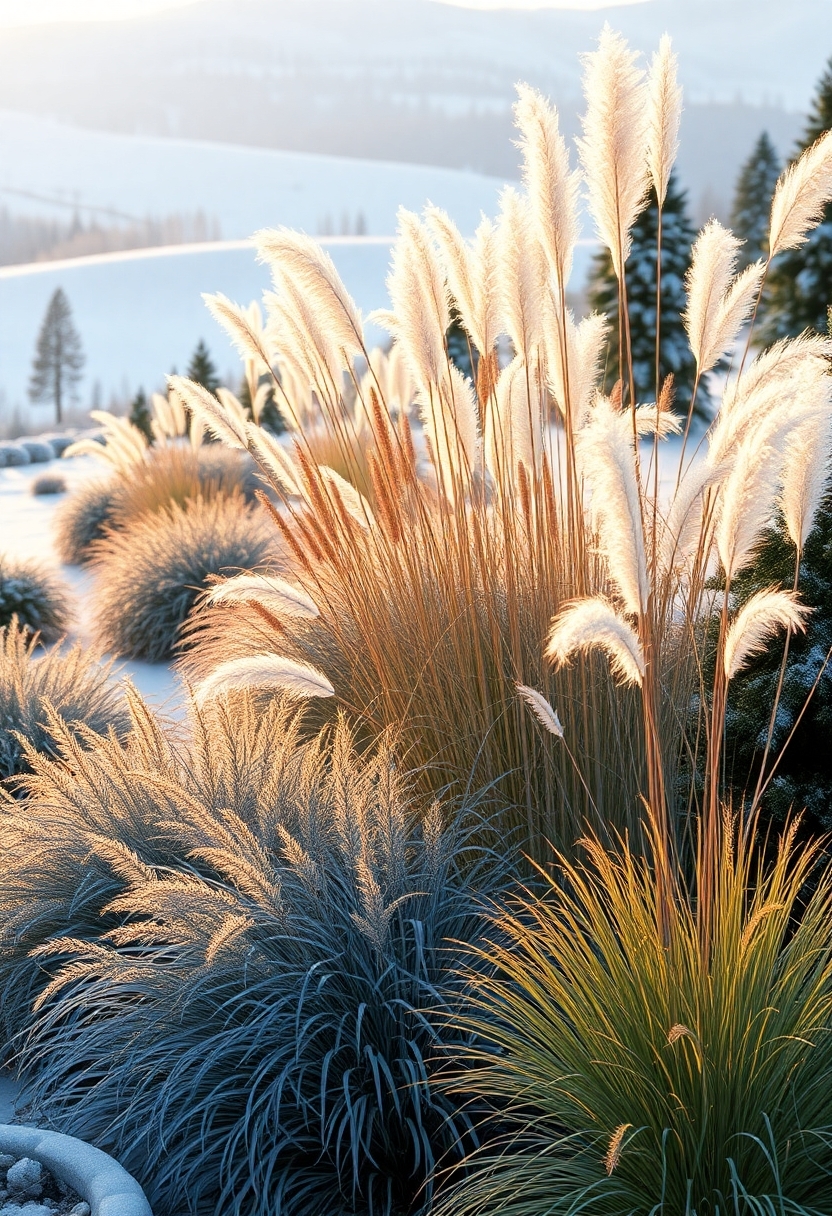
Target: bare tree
59, 358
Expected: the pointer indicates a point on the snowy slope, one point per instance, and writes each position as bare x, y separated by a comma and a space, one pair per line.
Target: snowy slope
141, 313
53, 169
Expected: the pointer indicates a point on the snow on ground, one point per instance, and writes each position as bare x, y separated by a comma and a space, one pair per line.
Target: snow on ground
26, 532
51, 168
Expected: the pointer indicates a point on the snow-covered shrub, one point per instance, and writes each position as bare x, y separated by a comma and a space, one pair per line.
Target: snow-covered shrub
84, 518
35, 684
150, 571
35, 596
48, 483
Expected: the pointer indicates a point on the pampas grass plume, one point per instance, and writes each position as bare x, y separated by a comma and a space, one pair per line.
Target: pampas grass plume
663, 117
277, 596
542, 710
205, 406
471, 275
806, 469
551, 185
593, 624
264, 671
718, 304
521, 276
300, 260
800, 197
234, 319
756, 622
613, 143
421, 314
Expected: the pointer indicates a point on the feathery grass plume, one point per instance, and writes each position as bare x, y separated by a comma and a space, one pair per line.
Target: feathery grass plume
300, 337
273, 593
246, 339
82, 518
273, 457
780, 363
264, 671
756, 623
32, 595
663, 117
607, 459
718, 304
580, 989
205, 406
451, 424
470, 273
355, 503
542, 710
594, 624
616, 1147
552, 186
749, 492
574, 371
420, 316
303, 262
806, 470
514, 421
149, 574
124, 445
66, 680
521, 274
613, 146
802, 192
307, 919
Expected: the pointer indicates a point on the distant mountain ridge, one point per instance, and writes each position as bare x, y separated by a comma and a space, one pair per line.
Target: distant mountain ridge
414, 80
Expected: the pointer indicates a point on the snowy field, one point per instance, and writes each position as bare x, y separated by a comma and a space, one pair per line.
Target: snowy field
52, 169
26, 532
140, 314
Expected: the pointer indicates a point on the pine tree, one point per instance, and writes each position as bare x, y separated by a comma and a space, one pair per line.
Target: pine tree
59, 358
752, 199
799, 288
140, 414
201, 369
674, 353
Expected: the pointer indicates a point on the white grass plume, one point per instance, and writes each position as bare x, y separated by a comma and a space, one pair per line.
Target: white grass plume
806, 470
355, 503
573, 372
471, 275
650, 420
274, 459
420, 316
551, 185
514, 422
450, 418
613, 145
246, 339
520, 270
800, 197
756, 623
276, 595
718, 304
300, 259
680, 530
542, 710
607, 460
205, 406
264, 671
593, 624
778, 363
124, 444
664, 114
301, 336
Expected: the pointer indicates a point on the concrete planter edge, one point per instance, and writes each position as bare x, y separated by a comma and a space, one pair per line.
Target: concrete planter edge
97, 1177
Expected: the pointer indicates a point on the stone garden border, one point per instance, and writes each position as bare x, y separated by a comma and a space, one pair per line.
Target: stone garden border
98, 1178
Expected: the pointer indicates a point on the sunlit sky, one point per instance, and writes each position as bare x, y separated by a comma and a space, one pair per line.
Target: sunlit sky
31, 12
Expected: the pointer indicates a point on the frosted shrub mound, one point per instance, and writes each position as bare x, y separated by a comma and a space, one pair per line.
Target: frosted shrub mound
33, 596
150, 573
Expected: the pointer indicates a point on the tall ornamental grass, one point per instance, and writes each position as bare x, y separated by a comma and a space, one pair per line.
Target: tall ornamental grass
39, 688
244, 964
536, 608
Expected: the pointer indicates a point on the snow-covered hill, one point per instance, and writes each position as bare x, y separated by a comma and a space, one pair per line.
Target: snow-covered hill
53, 169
